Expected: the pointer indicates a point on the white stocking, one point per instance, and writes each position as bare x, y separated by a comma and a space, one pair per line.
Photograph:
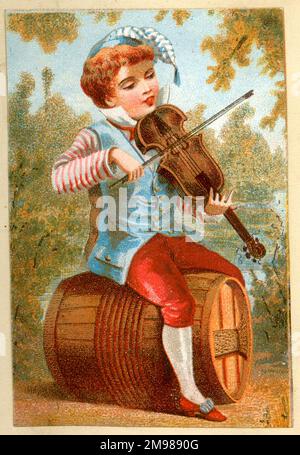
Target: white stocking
178, 345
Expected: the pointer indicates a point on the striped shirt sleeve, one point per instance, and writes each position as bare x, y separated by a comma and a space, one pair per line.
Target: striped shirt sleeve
82, 166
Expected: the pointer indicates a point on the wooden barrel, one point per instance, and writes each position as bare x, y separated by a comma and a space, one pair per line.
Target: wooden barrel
102, 341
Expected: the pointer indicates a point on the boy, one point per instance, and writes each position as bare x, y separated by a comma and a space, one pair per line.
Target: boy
119, 77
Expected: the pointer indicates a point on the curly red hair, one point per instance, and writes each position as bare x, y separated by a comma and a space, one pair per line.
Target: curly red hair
99, 72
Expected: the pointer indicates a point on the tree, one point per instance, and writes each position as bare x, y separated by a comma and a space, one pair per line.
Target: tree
180, 16
271, 303
111, 17
241, 31
47, 78
46, 237
248, 164
19, 120
49, 29
243, 154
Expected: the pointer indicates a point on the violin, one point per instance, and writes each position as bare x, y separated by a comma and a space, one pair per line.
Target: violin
187, 163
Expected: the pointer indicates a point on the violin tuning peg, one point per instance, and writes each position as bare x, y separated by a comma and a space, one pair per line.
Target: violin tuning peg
247, 255
254, 260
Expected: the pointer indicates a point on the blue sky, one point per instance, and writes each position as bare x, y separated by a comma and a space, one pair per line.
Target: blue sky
67, 62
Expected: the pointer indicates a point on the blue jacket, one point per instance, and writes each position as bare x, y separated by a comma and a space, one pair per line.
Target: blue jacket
115, 248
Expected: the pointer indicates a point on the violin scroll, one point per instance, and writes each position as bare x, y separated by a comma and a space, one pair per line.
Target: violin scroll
255, 249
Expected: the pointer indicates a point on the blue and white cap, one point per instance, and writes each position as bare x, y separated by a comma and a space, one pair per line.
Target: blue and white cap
134, 36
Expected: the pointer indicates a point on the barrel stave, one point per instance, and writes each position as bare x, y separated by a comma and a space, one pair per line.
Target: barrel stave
103, 341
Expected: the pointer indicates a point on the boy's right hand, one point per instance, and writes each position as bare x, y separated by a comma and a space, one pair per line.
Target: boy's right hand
127, 163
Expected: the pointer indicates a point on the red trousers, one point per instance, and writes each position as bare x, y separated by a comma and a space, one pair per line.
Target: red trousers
156, 273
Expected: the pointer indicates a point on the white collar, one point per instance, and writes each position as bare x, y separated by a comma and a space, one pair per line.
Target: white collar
119, 115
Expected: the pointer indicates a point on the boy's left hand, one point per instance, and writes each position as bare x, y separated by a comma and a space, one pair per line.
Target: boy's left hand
217, 206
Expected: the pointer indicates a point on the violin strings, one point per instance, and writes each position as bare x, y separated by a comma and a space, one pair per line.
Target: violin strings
177, 142
175, 146
186, 161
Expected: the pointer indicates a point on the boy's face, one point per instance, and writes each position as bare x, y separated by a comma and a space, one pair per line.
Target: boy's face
136, 89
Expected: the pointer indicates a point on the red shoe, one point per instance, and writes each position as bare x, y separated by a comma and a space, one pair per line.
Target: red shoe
206, 410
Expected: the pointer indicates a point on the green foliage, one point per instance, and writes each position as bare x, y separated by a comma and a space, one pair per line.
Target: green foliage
160, 16
279, 108
47, 78
180, 16
241, 31
46, 236
248, 164
49, 29
244, 155
111, 17
271, 299
20, 126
